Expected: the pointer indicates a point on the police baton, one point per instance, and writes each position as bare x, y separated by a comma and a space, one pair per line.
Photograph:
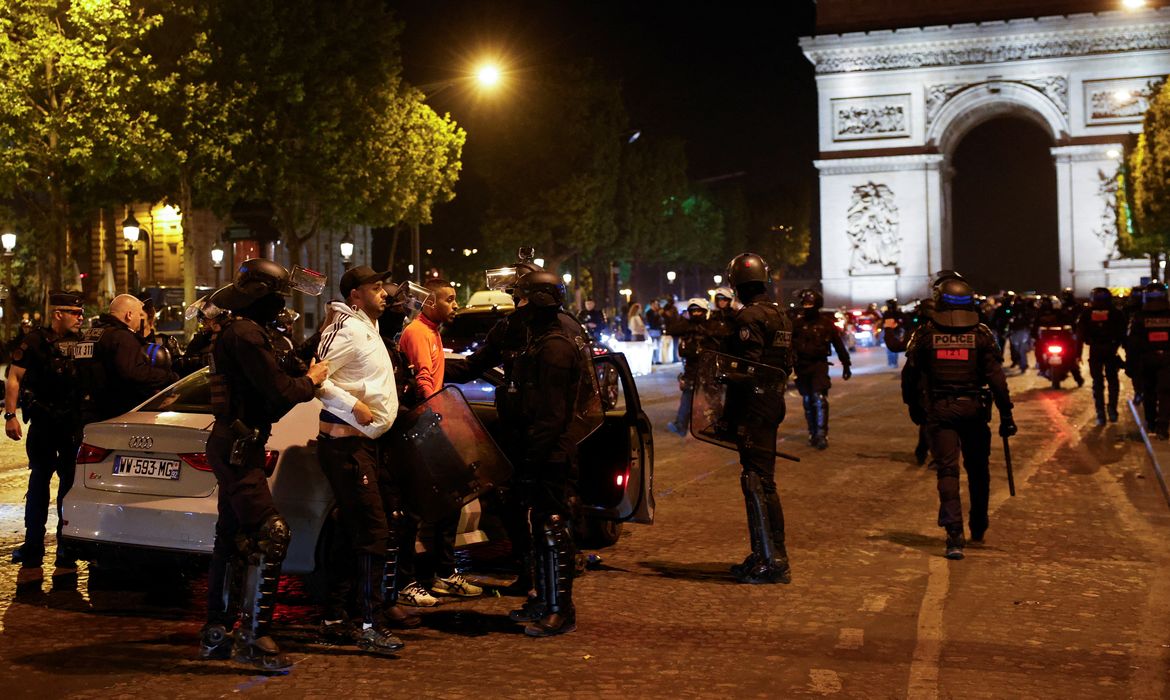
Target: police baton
785, 455
1007, 457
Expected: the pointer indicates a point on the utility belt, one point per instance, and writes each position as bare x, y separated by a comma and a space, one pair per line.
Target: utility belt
983, 396
244, 443
34, 407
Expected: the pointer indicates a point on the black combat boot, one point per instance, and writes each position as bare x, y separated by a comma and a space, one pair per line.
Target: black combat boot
224, 583
810, 415
560, 616
955, 543
766, 568
253, 644
821, 410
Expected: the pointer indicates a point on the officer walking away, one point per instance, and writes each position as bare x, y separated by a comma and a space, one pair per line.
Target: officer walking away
114, 372
553, 379
948, 364
761, 333
893, 328
813, 335
1148, 354
359, 404
1101, 326
249, 392
41, 381
693, 337
1020, 331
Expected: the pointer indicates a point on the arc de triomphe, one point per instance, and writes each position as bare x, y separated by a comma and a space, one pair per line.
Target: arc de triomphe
895, 104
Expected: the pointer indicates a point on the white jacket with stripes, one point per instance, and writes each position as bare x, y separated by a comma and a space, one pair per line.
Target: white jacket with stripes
359, 369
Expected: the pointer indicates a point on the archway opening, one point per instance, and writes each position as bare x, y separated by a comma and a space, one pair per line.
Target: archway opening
1004, 229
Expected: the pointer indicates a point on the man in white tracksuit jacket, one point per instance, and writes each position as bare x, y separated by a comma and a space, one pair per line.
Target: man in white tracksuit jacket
360, 404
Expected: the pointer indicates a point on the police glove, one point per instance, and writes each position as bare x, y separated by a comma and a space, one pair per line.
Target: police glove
1007, 426
846, 373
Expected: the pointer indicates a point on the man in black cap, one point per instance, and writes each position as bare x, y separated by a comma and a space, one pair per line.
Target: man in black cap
40, 381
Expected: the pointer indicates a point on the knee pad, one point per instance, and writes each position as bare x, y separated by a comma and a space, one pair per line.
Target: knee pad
273, 537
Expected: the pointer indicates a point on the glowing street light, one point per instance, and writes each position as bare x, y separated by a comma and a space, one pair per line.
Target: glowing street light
8, 240
670, 276
488, 75
346, 247
718, 279
627, 293
568, 278
1133, 4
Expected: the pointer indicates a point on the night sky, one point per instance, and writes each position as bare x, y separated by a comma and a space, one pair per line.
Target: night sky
729, 78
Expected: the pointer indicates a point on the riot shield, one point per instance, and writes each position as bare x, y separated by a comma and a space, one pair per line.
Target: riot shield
444, 455
716, 420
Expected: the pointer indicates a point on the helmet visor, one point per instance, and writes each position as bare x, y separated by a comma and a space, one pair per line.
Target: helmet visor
306, 281
201, 307
412, 298
501, 278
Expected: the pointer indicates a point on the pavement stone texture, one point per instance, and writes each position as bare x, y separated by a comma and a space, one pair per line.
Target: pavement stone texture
1068, 598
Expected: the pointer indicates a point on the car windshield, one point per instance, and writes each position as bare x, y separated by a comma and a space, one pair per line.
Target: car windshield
468, 330
191, 395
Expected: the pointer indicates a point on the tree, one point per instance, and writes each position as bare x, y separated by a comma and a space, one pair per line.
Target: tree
781, 229
74, 97
1148, 166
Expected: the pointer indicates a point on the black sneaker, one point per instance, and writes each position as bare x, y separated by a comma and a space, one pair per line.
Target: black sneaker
377, 640
531, 611
955, 545
215, 642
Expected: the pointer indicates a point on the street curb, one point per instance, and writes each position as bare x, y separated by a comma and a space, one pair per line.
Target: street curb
1150, 451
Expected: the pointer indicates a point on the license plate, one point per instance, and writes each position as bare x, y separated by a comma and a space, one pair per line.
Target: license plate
150, 467
1055, 360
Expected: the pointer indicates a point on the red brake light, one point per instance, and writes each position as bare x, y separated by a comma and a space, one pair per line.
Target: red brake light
89, 454
197, 460
270, 458
1055, 349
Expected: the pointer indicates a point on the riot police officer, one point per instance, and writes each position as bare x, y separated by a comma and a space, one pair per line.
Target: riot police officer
1050, 317
41, 381
1147, 353
948, 364
197, 354
1101, 326
813, 335
249, 392
114, 372
761, 333
693, 336
552, 382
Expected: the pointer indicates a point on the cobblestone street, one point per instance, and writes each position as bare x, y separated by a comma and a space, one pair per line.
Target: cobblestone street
1069, 597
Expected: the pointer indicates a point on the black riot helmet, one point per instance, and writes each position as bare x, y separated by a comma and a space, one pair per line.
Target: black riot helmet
256, 278
891, 305
810, 299
1101, 298
1154, 297
924, 310
944, 275
954, 304
747, 268
1044, 303
1068, 298
543, 290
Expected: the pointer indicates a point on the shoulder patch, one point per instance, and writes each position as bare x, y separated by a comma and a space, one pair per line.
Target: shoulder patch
745, 333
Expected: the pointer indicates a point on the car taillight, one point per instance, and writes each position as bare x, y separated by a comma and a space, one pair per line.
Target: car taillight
89, 454
620, 480
196, 460
270, 457
1055, 349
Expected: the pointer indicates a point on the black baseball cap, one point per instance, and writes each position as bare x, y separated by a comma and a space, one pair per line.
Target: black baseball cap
357, 276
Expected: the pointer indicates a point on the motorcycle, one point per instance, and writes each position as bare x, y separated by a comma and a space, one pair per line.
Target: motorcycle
1055, 353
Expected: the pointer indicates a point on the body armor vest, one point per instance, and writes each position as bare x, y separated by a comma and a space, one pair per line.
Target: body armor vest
811, 339
89, 369
777, 337
587, 413
953, 358
1156, 330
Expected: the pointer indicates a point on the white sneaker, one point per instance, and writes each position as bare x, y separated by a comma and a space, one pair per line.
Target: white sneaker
455, 584
417, 596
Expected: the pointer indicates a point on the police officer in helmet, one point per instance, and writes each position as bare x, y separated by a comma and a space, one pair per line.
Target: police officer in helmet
761, 333
1101, 326
948, 364
249, 392
813, 335
694, 336
41, 380
552, 376
1148, 354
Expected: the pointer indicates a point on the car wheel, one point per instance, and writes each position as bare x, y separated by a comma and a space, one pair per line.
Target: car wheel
602, 533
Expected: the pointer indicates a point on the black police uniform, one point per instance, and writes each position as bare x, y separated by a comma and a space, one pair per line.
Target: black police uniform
761, 333
1101, 326
948, 364
113, 370
249, 393
813, 334
1148, 352
50, 405
695, 334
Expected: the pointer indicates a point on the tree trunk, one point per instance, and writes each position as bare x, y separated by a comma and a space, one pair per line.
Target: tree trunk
189, 234
393, 247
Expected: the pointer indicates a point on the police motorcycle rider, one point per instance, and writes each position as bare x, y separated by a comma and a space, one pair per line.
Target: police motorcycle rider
1101, 326
1049, 321
506, 340
762, 334
694, 334
813, 335
249, 392
41, 381
1147, 352
948, 364
552, 382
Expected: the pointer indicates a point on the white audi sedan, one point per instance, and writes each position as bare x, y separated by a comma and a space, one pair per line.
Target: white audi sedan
144, 489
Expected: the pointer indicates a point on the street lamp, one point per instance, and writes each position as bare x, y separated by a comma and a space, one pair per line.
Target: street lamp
130, 231
346, 251
568, 278
488, 75
217, 262
8, 240
718, 279
670, 276
627, 293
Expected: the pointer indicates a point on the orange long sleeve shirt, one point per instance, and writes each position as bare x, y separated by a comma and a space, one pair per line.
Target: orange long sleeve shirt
423, 347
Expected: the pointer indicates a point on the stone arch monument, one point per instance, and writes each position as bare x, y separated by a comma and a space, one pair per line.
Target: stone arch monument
894, 105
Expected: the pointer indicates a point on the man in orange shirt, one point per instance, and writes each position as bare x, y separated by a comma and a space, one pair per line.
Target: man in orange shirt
423, 347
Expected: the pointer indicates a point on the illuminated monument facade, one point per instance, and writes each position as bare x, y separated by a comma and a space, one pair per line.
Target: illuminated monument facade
895, 103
